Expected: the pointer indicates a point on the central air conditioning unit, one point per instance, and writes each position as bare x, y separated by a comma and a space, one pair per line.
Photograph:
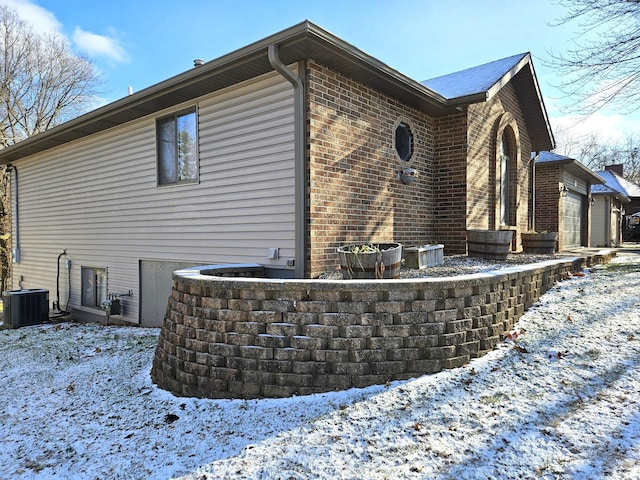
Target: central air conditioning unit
25, 307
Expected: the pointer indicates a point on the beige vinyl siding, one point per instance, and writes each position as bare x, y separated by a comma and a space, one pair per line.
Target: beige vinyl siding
98, 198
574, 183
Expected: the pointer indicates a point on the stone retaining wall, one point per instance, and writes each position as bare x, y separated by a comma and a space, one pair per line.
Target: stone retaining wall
236, 337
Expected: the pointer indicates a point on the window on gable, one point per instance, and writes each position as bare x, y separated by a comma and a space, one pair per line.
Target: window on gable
94, 286
178, 148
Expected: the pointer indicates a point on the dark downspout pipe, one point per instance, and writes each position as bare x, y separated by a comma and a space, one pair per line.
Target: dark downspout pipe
300, 171
15, 211
532, 213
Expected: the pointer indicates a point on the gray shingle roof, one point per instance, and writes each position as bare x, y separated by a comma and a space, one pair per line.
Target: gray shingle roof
570, 164
481, 83
550, 157
475, 80
617, 184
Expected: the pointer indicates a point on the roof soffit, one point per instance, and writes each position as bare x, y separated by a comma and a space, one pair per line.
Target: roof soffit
297, 43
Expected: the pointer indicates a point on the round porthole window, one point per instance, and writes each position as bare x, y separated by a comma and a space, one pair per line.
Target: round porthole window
404, 141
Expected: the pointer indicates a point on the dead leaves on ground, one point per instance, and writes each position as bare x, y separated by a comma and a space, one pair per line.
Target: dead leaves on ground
169, 418
568, 275
553, 354
513, 336
520, 348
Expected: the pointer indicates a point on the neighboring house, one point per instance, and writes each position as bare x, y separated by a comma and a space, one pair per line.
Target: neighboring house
632, 227
275, 154
607, 211
630, 192
562, 198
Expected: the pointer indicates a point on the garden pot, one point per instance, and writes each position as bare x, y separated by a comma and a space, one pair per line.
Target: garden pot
382, 261
424, 256
490, 244
541, 243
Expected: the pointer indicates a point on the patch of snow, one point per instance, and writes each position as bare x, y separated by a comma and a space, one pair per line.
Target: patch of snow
473, 80
78, 403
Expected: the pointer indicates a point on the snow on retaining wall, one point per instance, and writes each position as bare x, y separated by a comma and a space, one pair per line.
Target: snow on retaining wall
231, 337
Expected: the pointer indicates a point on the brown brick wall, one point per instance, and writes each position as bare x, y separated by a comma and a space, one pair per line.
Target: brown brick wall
354, 190
249, 338
547, 186
487, 121
450, 183
522, 181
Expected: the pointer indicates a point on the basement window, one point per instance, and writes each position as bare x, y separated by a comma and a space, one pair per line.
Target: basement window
404, 142
178, 148
94, 286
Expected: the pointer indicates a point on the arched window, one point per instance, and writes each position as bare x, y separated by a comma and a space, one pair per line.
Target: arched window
504, 163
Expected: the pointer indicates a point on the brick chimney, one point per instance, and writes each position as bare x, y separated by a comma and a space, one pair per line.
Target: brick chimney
617, 169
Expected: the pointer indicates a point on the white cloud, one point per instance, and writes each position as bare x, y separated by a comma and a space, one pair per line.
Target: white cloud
42, 20
91, 44
95, 45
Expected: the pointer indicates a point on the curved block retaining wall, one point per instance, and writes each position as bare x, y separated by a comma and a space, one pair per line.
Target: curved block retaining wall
229, 337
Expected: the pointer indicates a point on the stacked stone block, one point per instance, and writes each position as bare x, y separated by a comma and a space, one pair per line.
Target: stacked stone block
229, 337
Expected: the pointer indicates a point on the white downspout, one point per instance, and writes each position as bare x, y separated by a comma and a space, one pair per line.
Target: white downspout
300, 171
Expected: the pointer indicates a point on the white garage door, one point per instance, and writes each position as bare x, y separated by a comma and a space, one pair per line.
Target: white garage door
572, 220
599, 220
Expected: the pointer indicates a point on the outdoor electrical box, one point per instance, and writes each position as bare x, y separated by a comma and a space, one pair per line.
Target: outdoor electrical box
25, 307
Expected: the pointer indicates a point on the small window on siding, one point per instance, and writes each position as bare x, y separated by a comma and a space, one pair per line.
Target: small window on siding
178, 148
94, 286
404, 141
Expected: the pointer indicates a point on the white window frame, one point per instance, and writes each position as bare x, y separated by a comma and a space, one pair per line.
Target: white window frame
94, 286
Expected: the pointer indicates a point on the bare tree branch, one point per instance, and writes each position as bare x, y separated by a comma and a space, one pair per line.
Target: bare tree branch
596, 153
42, 84
603, 67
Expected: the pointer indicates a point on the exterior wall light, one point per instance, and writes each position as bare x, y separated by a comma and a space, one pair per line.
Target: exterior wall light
563, 190
408, 175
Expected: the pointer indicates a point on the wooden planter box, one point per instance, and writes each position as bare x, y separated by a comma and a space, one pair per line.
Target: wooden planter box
423, 257
541, 243
490, 244
383, 264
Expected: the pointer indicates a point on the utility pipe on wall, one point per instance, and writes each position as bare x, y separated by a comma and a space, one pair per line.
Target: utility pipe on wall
15, 210
299, 136
532, 211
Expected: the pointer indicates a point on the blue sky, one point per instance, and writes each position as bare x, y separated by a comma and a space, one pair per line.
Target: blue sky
138, 43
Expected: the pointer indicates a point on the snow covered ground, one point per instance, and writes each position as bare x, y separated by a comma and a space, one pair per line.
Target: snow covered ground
560, 401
